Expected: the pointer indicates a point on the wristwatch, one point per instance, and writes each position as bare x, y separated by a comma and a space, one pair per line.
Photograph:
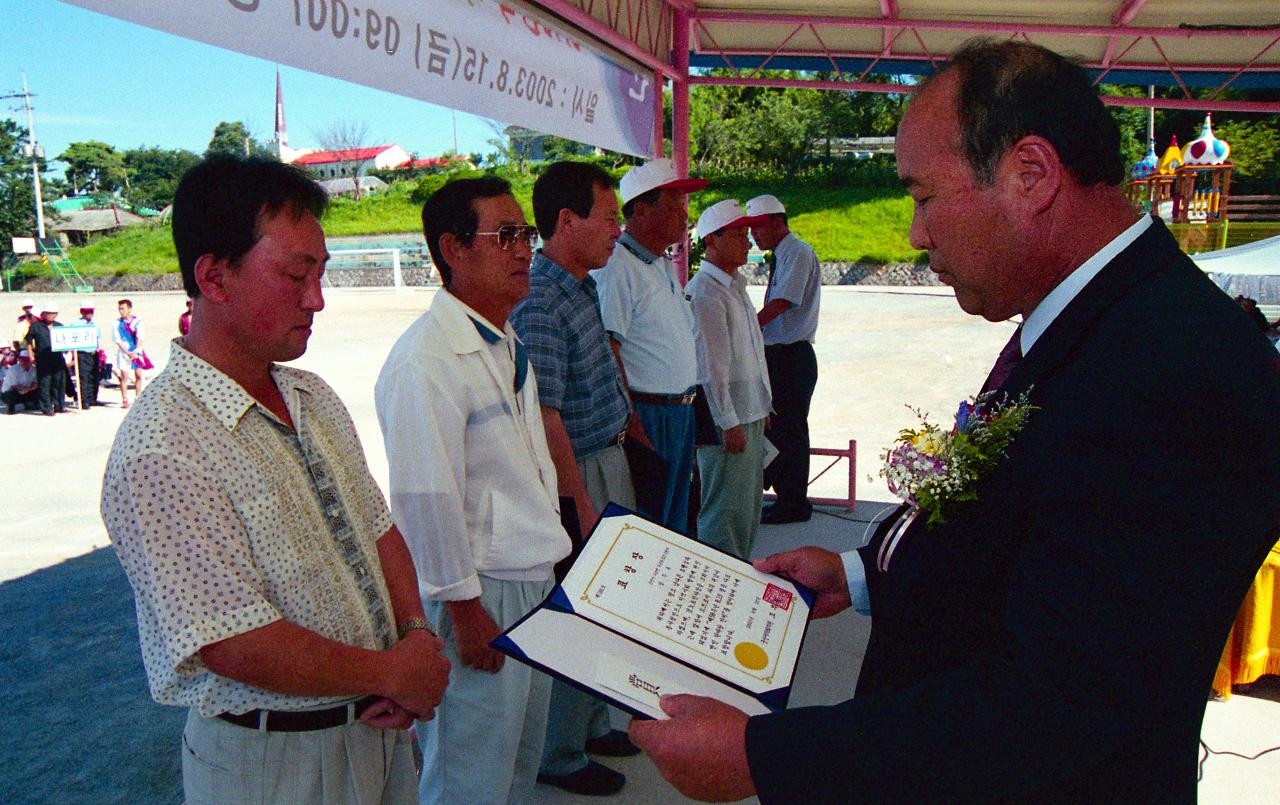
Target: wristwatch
415, 624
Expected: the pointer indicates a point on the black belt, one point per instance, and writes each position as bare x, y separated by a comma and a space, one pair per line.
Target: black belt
663, 399
300, 720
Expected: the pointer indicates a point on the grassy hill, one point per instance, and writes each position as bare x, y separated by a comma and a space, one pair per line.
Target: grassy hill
844, 225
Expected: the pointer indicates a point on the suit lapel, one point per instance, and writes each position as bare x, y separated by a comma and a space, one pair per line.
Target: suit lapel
1151, 251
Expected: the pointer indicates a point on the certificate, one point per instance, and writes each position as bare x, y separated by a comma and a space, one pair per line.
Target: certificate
645, 611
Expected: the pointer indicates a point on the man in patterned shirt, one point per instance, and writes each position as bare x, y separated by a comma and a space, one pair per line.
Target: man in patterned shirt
274, 593
586, 415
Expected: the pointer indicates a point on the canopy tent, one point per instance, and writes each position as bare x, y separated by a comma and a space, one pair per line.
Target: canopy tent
1252, 270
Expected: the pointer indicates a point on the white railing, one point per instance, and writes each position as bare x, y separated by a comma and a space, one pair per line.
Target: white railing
397, 277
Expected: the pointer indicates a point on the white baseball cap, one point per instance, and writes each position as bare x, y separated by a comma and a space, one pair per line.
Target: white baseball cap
724, 214
49, 307
765, 205
656, 174
28, 302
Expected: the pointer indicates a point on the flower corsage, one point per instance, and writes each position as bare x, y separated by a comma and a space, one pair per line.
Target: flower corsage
931, 469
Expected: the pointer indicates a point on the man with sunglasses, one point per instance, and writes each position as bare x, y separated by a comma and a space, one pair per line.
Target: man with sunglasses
586, 412
474, 490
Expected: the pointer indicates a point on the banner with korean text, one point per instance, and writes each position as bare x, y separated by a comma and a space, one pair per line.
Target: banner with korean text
494, 59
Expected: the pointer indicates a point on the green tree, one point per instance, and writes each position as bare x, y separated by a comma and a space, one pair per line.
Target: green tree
94, 167
233, 138
154, 174
17, 197
1255, 152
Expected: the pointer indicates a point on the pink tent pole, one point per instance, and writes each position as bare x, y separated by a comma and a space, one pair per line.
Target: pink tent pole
680, 112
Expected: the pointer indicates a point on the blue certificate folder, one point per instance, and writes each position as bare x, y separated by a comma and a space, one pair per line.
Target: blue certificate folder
645, 611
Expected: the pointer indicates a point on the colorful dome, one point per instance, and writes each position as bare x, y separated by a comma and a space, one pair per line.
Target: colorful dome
1206, 149
1172, 159
1147, 165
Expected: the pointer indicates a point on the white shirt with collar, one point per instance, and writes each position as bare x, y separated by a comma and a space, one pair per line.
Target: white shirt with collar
1033, 327
645, 309
731, 366
797, 278
473, 488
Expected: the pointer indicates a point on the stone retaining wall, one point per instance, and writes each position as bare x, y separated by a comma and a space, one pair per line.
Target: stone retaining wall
902, 274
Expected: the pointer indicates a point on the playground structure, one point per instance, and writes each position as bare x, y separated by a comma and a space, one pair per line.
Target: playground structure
1190, 188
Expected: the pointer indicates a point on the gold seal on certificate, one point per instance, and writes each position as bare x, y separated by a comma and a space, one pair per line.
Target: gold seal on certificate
645, 611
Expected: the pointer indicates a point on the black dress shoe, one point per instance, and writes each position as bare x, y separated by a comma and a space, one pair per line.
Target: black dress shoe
592, 780
613, 743
776, 517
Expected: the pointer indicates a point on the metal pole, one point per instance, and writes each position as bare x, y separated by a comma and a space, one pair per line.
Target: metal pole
1151, 114
35, 158
680, 113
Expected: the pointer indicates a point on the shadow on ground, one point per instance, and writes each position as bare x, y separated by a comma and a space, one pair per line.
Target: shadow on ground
82, 727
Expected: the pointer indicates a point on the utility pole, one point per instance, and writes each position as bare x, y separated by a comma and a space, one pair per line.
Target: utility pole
33, 150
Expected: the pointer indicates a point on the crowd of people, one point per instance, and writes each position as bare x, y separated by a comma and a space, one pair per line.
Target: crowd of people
1052, 641
69, 377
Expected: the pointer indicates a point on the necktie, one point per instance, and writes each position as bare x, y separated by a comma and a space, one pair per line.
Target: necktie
1009, 357
520, 358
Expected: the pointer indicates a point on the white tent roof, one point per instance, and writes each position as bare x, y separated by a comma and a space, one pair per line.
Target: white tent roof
1252, 270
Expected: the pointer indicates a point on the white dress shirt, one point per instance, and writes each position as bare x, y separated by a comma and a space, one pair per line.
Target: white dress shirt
473, 488
797, 278
644, 308
1033, 327
731, 365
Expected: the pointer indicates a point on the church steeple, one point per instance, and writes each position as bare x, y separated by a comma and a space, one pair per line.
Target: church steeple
281, 139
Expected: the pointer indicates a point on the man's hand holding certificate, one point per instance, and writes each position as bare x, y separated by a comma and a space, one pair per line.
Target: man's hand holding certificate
646, 612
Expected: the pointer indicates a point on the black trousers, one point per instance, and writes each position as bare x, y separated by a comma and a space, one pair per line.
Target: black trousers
52, 385
88, 378
793, 373
12, 399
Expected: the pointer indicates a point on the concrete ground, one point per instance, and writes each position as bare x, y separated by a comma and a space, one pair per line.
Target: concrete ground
879, 350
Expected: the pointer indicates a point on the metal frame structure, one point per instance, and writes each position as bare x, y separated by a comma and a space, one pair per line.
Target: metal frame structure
677, 39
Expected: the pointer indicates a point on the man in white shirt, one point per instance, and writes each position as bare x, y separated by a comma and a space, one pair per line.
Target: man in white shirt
19, 385
650, 323
789, 321
732, 372
275, 596
474, 491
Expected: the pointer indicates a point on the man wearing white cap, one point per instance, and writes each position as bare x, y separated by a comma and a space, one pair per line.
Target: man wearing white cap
650, 323
732, 372
789, 320
51, 367
24, 322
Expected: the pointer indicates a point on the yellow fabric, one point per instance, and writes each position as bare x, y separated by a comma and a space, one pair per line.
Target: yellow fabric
1253, 648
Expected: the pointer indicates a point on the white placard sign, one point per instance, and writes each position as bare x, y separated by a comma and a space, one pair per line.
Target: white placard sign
494, 59
70, 337
24, 245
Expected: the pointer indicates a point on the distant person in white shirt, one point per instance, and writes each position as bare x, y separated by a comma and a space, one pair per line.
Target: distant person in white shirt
474, 490
650, 324
19, 385
789, 321
732, 372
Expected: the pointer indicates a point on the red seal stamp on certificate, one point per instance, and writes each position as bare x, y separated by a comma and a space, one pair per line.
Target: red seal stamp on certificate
777, 596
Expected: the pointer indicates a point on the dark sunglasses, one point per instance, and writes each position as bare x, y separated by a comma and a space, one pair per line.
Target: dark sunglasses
510, 233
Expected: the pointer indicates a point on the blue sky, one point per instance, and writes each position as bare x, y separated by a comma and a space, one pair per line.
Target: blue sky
98, 78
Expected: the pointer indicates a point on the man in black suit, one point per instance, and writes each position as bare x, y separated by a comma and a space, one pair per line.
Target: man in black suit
1055, 639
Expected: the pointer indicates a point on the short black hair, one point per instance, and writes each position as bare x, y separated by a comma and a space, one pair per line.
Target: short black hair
452, 210
647, 197
567, 185
128, 302
1008, 90
219, 204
